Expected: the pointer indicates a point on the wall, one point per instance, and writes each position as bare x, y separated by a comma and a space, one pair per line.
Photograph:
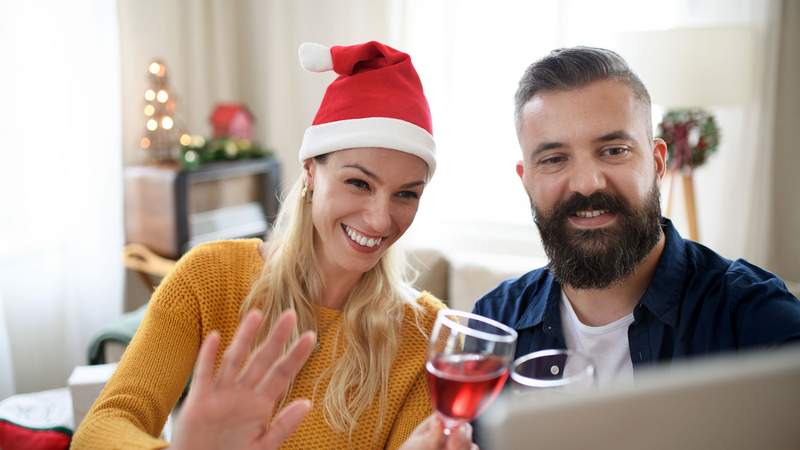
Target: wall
243, 50
786, 183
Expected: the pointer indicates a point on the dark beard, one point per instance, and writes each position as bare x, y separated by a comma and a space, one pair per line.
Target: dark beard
596, 259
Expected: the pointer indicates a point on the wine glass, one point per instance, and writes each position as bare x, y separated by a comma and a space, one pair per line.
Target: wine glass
468, 363
565, 370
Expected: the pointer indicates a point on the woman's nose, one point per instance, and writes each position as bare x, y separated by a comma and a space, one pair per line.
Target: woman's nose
378, 215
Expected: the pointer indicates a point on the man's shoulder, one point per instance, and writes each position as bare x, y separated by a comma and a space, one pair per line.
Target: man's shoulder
733, 277
511, 297
748, 280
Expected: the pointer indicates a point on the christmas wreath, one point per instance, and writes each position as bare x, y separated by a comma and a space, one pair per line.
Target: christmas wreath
691, 135
196, 151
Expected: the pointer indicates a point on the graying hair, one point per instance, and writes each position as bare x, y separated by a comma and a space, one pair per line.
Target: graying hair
570, 68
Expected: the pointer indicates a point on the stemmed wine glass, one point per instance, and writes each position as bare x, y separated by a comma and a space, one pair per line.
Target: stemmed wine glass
555, 369
468, 363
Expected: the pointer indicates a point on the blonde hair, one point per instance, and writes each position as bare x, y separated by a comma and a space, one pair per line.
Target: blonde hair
372, 315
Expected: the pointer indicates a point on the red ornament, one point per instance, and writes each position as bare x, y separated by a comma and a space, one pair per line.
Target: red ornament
232, 120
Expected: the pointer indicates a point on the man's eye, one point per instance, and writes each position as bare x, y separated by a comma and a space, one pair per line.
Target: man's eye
552, 160
360, 184
616, 151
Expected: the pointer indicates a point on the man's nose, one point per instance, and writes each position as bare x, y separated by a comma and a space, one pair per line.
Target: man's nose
587, 178
378, 215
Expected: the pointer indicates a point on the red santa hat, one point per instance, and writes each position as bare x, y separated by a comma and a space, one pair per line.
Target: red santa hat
377, 101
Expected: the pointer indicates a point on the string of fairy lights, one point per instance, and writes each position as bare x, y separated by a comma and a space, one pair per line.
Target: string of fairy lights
162, 135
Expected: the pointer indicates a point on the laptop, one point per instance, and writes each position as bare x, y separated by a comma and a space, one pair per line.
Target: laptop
735, 402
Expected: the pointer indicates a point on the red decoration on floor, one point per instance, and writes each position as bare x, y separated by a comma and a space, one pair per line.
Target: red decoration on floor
16, 437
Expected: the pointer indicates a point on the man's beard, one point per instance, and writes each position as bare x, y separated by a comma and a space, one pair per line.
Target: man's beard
598, 258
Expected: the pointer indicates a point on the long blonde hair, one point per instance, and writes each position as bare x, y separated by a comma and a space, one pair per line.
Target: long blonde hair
372, 316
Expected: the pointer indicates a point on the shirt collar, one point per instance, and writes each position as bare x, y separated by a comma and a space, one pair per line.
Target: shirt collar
661, 297
535, 311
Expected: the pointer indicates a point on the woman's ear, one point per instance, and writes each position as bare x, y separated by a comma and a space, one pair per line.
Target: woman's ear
309, 167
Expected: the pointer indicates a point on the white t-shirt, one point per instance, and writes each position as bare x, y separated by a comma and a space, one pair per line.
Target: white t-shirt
607, 346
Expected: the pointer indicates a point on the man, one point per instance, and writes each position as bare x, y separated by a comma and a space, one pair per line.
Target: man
621, 285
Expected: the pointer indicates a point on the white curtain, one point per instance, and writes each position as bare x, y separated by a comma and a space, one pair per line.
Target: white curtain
470, 55
6, 366
60, 182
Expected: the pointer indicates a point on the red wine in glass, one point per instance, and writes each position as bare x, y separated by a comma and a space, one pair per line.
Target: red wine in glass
468, 361
463, 385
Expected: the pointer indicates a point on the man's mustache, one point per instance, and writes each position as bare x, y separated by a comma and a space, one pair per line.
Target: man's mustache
599, 200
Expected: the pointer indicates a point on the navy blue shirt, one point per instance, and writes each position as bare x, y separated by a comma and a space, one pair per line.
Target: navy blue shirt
697, 303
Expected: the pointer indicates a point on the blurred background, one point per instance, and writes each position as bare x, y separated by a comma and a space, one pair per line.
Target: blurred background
84, 168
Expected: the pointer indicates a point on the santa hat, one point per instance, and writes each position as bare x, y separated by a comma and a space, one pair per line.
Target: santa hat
377, 101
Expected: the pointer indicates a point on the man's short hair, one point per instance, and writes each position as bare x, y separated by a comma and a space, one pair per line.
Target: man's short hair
570, 68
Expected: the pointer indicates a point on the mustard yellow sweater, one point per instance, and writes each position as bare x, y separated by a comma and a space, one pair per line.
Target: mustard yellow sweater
204, 293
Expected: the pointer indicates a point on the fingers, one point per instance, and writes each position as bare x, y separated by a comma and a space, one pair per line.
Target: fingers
204, 367
461, 439
427, 436
240, 347
277, 379
285, 423
268, 351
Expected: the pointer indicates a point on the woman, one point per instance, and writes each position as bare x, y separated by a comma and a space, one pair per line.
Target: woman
366, 160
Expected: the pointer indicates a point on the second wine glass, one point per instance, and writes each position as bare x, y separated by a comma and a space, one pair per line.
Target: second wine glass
553, 370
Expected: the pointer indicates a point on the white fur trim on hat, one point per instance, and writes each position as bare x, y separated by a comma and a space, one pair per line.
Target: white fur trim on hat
315, 57
381, 132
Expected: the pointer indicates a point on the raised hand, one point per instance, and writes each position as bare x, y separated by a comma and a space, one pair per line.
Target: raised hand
233, 410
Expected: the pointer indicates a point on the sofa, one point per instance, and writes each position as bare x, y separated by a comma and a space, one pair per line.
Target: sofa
457, 278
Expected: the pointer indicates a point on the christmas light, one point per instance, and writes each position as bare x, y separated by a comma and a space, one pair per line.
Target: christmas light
190, 156
162, 96
185, 139
231, 149
161, 126
198, 141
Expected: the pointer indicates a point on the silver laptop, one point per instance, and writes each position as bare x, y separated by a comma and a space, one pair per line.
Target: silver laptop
744, 401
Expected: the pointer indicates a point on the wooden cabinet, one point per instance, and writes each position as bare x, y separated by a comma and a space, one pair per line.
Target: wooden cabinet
170, 210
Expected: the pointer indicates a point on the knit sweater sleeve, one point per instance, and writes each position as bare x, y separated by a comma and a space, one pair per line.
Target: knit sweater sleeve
133, 407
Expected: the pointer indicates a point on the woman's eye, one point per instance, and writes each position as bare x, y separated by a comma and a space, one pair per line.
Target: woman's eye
360, 184
408, 194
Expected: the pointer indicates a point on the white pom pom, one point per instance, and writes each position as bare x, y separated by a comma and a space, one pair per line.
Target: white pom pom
315, 57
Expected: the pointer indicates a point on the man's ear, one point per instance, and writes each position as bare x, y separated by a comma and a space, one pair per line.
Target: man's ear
660, 157
520, 169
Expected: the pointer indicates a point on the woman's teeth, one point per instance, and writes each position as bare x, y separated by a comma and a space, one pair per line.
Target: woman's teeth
360, 239
590, 214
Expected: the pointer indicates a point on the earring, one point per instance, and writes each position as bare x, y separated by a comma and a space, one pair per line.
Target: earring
304, 191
